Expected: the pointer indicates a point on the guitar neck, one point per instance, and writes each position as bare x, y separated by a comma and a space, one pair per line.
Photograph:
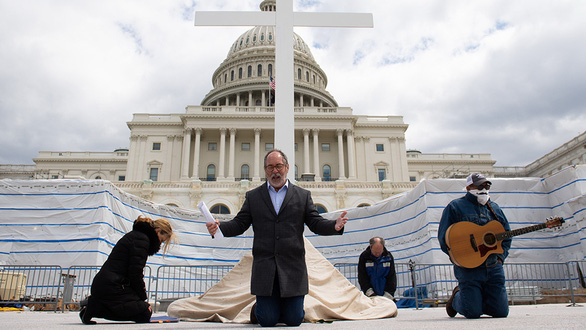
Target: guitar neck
520, 231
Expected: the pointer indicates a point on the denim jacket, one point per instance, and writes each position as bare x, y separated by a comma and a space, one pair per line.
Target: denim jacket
467, 208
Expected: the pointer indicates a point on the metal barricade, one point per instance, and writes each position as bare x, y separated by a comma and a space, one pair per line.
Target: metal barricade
404, 273
435, 282
530, 282
577, 270
35, 285
79, 279
175, 282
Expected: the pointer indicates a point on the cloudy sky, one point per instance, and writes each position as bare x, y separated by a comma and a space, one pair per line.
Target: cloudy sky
485, 76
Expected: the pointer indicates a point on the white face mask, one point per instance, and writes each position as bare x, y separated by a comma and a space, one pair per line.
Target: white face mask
481, 195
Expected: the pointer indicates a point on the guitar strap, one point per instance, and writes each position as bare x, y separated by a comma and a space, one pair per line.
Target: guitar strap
491, 210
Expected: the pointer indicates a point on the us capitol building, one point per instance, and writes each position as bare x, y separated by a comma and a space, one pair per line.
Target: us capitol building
213, 152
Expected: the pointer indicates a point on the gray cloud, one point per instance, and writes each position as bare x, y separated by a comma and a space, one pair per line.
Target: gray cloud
498, 77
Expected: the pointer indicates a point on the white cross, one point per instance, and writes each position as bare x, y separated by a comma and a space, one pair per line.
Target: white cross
284, 19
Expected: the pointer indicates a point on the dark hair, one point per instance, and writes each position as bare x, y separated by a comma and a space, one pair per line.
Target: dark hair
279, 151
376, 239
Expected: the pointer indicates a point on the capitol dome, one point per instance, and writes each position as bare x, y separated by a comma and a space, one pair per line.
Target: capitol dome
242, 79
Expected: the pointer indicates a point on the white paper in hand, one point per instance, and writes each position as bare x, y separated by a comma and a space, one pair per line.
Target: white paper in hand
209, 218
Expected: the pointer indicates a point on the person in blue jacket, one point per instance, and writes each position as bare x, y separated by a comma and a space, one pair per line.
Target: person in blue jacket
376, 270
480, 290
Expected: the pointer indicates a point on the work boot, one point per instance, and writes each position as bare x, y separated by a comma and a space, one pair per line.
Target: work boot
253, 319
449, 308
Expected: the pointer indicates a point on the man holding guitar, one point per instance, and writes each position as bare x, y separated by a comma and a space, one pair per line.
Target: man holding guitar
481, 289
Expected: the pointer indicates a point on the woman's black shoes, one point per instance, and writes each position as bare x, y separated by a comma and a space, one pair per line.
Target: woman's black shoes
85, 317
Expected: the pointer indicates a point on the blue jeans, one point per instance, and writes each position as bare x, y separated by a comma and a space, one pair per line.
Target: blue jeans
274, 309
482, 291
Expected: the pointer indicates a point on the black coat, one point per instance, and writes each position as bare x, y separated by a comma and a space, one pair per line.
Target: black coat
278, 246
119, 285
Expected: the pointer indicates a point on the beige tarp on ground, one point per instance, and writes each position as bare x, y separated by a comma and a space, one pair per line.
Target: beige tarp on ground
331, 296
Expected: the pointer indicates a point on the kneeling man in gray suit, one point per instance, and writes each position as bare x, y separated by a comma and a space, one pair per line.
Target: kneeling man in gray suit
277, 212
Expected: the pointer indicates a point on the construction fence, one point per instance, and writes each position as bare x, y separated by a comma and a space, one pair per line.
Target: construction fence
418, 285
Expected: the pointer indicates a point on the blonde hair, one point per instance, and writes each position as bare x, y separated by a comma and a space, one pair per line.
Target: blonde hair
165, 227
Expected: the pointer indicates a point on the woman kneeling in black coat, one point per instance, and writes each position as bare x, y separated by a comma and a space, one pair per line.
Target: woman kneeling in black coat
118, 291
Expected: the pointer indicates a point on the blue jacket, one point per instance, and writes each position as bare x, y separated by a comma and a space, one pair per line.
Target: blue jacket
377, 273
467, 208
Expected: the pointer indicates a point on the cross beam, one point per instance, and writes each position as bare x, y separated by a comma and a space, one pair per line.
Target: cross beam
284, 20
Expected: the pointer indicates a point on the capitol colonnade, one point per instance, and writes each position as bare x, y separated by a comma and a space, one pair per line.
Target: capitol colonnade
198, 153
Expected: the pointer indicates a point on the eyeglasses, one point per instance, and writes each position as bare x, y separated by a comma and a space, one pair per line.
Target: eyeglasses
485, 185
279, 167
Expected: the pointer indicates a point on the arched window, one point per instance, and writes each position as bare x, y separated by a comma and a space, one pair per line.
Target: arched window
321, 209
232, 75
363, 205
225, 77
307, 76
270, 70
299, 74
220, 209
245, 172
249, 71
240, 73
296, 172
211, 174
259, 71
327, 173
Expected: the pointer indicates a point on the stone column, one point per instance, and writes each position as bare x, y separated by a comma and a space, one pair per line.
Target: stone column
351, 154
316, 149
306, 168
133, 152
176, 170
368, 152
197, 147
360, 158
263, 100
257, 161
237, 99
168, 158
395, 166
222, 160
404, 173
341, 169
250, 100
142, 166
232, 155
185, 154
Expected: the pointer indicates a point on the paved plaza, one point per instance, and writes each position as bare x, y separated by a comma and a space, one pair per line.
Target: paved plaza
547, 316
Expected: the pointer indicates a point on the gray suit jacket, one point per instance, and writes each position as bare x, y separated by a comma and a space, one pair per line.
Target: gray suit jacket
278, 246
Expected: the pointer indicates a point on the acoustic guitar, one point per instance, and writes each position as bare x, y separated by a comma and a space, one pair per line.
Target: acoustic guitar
470, 244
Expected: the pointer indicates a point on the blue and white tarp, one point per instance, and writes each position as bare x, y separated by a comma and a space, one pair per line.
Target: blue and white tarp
77, 222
